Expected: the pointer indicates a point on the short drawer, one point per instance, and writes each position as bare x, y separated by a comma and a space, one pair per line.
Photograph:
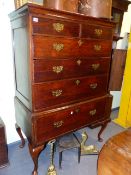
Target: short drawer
56, 69
63, 121
98, 32
52, 27
63, 91
56, 47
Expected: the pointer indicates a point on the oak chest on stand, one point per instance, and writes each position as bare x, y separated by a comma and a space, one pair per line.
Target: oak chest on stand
62, 67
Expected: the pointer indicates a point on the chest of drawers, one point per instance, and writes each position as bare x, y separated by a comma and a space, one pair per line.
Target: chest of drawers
3, 146
62, 68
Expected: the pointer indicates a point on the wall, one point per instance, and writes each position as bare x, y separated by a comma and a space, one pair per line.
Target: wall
7, 88
116, 99
6, 71
124, 116
125, 25
125, 28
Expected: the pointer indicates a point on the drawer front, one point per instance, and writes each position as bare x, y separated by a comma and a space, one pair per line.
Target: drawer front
98, 32
63, 91
55, 27
63, 121
56, 47
56, 69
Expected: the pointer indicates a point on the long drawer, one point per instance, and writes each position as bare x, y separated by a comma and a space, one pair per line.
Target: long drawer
57, 92
56, 69
62, 27
73, 117
57, 47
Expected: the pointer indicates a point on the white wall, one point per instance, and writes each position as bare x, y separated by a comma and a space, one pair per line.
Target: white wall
6, 72
7, 89
125, 25
116, 99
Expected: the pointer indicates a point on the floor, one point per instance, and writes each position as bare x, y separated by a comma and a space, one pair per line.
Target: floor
21, 163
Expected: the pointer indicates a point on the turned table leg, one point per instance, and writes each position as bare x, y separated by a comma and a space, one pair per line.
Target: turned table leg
35, 152
18, 129
103, 126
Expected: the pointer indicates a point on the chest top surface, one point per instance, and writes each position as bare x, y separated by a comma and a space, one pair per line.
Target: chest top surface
34, 9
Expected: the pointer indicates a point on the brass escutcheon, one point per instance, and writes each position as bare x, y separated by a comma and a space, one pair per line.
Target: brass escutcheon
58, 27
93, 112
93, 86
80, 42
58, 124
58, 47
57, 69
57, 93
79, 62
98, 32
97, 47
77, 82
95, 66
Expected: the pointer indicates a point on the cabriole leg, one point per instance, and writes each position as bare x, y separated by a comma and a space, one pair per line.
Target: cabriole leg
103, 126
35, 152
18, 129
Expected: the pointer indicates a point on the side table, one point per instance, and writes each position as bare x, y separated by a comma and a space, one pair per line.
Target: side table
67, 142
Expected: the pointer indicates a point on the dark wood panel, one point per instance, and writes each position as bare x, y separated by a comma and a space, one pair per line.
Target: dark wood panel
56, 69
106, 118
121, 5
67, 120
63, 91
59, 27
41, 11
94, 31
56, 47
117, 69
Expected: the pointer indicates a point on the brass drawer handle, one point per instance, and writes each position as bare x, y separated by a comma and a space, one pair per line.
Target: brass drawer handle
58, 47
58, 124
57, 93
95, 66
57, 69
97, 47
98, 32
93, 112
93, 86
80, 42
58, 27
77, 82
77, 110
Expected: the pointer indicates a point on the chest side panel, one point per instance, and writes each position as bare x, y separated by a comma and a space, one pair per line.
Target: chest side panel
21, 60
